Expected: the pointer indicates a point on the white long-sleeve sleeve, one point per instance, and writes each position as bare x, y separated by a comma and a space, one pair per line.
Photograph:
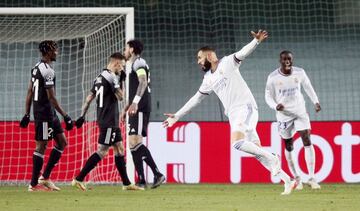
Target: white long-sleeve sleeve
269, 95
247, 50
309, 89
193, 102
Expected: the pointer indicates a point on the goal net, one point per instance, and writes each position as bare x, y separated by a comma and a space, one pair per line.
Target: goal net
86, 37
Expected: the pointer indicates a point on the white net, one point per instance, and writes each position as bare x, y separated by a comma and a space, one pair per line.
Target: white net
85, 42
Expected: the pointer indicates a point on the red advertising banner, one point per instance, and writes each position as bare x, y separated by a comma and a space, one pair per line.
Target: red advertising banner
201, 152
192, 152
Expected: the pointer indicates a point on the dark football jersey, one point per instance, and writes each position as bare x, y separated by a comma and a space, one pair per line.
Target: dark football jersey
42, 78
145, 102
104, 88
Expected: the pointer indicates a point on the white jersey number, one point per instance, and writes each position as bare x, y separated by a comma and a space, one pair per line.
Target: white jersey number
35, 88
149, 90
100, 94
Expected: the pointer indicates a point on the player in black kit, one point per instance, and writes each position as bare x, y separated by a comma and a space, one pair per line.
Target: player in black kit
41, 93
106, 89
139, 112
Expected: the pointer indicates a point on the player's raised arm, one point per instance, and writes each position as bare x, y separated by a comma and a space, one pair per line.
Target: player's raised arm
117, 90
250, 47
26, 118
192, 103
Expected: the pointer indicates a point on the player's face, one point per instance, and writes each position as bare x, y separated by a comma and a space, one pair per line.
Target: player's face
53, 54
127, 52
203, 61
119, 66
122, 65
286, 60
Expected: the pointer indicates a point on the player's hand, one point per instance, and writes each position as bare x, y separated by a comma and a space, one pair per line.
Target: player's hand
25, 121
260, 35
170, 121
79, 122
68, 122
317, 107
280, 107
133, 109
123, 116
122, 76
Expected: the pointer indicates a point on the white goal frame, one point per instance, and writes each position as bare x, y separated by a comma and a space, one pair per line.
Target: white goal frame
129, 34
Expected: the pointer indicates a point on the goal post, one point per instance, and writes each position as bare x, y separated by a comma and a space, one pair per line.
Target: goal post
86, 38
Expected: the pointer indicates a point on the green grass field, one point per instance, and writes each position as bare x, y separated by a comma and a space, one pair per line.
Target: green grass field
184, 197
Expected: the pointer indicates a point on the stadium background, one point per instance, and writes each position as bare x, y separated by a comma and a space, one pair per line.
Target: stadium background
323, 35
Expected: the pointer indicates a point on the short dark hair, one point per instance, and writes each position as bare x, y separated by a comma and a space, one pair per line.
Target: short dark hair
136, 45
46, 46
117, 55
206, 48
285, 52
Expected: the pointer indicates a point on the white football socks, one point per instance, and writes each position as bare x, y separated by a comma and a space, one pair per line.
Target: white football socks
310, 160
263, 156
289, 155
252, 148
283, 175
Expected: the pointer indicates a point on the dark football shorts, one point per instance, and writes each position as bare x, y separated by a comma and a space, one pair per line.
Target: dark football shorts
138, 124
46, 131
109, 136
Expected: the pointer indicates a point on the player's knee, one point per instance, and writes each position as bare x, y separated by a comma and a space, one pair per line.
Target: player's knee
237, 136
61, 145
306, 141
102, 150
289, 144
134, 140
41, 147
305, 136
119, 149
61, 141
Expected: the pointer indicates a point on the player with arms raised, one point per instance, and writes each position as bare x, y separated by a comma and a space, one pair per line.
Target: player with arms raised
223, 78
283, 94
41, 92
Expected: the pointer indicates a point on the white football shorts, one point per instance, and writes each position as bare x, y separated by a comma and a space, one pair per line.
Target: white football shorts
288, 129
244, 119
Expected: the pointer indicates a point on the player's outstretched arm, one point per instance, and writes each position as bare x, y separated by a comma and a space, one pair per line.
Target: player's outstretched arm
51, 96
192, 103
85, 107
26, 118
170, 121
260, 36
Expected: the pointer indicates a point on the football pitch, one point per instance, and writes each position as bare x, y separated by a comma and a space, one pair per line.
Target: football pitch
184, 197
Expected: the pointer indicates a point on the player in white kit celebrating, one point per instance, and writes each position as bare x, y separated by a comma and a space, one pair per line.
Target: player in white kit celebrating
223, 77
283, 94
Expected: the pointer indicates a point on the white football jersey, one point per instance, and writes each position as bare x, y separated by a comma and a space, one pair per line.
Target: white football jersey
228, 84
286, 89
